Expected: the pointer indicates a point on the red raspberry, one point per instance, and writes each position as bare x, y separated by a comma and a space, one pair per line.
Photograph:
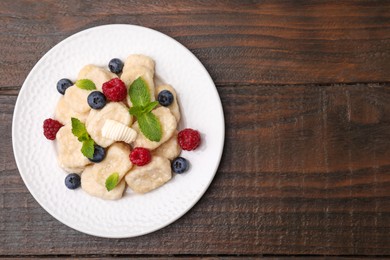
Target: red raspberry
50, 128
115, 90
189, 139
140, 156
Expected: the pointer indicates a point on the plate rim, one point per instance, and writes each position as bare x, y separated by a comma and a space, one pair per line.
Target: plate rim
17, 107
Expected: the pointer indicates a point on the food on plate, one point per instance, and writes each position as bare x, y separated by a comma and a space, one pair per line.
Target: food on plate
114, 128
145, 178
63, 112
97, 118
77, 99
94, 176
139, 60
170, 149
115, 90
117, 131
136, 66
70, 158
168, 125
96, 74
96, 100
72, 181
99, 153
63, 85
50, 128
115, 65
167, 97
179, 165
189, 139
140, 156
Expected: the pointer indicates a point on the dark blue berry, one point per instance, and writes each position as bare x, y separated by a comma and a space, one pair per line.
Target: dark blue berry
96, 100
115, 65
165, 98
99, 154
72, 181
179, 165
63, 84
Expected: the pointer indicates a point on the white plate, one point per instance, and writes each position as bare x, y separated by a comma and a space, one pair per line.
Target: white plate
133, 215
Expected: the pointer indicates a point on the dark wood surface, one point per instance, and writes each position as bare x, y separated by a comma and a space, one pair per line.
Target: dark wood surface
305, 87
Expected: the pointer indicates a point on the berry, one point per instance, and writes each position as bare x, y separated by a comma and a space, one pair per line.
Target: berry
165, 98
72, 181
96, 100
189, 139
63, 84
115, 65
179, 165
115, 90
50, 128
140, 156
98, 154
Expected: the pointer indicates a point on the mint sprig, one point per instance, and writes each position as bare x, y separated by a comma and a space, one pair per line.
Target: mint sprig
88, 148
150, 126
80, 131
142, 109
139, 110
149, 107
85, 84
139, 93
112, 181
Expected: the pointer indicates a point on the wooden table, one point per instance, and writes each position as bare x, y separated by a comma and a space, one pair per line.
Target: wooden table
305, 87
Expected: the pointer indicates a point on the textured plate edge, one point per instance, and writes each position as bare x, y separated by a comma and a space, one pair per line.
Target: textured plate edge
193, 203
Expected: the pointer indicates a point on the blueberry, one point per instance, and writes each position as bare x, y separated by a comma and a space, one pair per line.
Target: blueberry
96, 100
63, 84
165, 98
115, 65
72, 181
99, 154
179, 165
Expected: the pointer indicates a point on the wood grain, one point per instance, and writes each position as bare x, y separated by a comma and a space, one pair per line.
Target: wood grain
305, 170
305, 87
240, 42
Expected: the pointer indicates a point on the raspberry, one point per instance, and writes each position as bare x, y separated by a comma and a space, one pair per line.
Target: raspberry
115, 90
189, 139
50, 128
140, 156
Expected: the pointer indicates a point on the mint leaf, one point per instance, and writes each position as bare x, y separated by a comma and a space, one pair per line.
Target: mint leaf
80, 131
85, 84
135, 111
88, 148
139, 93
85, 136
139, 110
142, 109
112, 181
149, 107
78, 128
150, 126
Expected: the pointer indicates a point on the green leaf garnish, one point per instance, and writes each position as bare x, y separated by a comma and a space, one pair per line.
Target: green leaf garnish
112, 181
78, 128
84, 137
85, 84
80, 131
136, 111
149, 107
88, 148
139, 93
142, 109
150, 126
